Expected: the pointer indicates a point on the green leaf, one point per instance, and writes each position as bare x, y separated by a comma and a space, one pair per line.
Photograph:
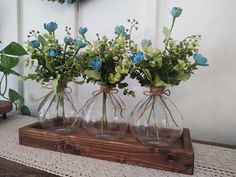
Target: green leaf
14, 96
14, 49
159, 61
79, 82
93, 74
42, 40
25, 110
148, 74
166, 32
183, 76
122, 85
9, 62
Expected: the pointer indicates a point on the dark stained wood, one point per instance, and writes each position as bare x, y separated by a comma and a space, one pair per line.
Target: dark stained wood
12, 169
5, 107
178, 157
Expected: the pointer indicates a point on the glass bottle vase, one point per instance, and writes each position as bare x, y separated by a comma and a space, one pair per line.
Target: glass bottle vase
104, 114
57, 111
155, 120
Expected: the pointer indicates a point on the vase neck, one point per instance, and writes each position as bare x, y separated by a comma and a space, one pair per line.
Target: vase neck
157, 91
61, 86
106, 88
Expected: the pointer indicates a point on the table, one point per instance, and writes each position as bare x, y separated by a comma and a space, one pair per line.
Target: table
13, 169
209, 160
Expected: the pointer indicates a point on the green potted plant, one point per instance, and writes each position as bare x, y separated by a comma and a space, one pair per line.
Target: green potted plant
156, 120
55, 65
9, 58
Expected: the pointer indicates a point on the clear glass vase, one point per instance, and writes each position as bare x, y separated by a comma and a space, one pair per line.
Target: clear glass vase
57, 111
104, 114
155, 120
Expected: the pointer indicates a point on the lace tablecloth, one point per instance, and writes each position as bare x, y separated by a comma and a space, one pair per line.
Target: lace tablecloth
210, 161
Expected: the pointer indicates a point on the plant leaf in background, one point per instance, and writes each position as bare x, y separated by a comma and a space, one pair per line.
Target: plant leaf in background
14, 49
14, 96
9, 62
25, 110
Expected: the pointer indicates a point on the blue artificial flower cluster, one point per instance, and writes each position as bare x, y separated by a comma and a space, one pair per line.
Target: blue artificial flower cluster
96, 63
137, 57
82, 30
50, 27
120, 30
52, 52
200, 60
176, 11
79, 43
35, 44
68, 40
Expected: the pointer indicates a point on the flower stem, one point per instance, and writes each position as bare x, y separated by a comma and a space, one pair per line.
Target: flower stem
103, 122
168, 38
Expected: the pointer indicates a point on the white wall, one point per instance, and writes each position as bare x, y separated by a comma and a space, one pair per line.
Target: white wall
8, 30
207, 100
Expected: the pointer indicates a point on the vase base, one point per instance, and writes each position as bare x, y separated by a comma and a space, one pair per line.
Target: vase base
111, 131
156, 136
59, 125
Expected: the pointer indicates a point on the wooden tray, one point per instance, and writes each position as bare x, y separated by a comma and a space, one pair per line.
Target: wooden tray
177, 158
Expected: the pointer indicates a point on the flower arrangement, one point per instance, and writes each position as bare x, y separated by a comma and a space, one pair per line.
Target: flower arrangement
8, 60
156, 120
107, 61
54, 63
156, 68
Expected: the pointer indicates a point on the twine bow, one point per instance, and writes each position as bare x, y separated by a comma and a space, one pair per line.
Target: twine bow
116, 101
157, 92
60, 87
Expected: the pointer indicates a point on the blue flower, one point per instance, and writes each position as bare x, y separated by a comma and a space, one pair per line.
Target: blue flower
50, 27
200, 60
176, 11
120, 30
125, 34
137, 57
82, 30
96, 63
68, 40
146, 43
79, 43
52, 52
35, 44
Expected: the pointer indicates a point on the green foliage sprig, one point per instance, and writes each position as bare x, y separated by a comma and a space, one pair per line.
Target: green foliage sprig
8, 60
156, 68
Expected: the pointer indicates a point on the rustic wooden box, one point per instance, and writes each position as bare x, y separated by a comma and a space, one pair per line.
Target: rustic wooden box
177, 158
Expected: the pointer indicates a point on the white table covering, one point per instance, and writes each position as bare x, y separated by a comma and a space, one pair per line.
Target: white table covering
210, 161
